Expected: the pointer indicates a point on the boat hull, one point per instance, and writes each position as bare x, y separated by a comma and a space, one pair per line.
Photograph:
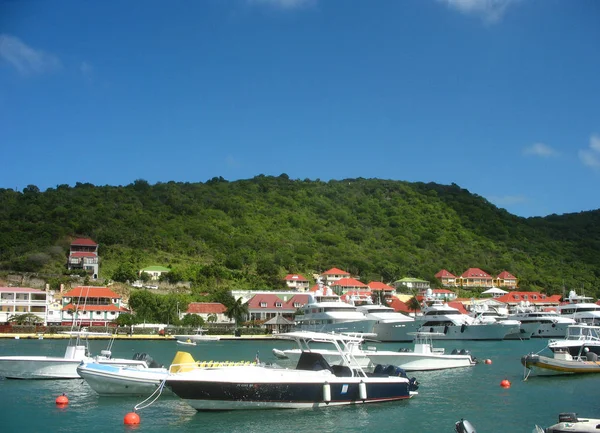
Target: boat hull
38, 367
396, 331
543, 365
551, 330
467, 332
409, 361
114, 381
357, 326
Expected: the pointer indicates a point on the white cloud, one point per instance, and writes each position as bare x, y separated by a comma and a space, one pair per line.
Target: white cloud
591, 155
540, 149
25, 59
489, 10
283, 4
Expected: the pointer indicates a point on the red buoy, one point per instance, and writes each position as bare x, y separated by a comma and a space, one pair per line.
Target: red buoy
62, 400
488, 361
505, 383
131, 418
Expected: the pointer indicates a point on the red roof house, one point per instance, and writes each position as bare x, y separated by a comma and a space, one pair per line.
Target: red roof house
446, 278
475, 277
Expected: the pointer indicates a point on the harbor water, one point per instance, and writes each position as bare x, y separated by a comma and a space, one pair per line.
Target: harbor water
444, 396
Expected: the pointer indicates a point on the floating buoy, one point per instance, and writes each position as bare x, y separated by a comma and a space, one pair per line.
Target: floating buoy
62, 400
505, 383
488, 361
131, 418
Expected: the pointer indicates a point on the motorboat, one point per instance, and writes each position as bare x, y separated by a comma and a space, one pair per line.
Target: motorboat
448, 323
562, 362
550, 323
485, 314
198, 336
423, 356
570, 422
313, 383
390, 325
580, 308
326, 312
579, 340
108, 379
56, 367
187, 342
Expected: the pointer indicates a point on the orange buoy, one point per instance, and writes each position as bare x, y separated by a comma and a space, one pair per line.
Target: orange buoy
488, 361
505, 383
131, 418
62, 400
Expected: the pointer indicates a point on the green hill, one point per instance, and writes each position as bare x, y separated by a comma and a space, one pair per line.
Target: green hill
248, 234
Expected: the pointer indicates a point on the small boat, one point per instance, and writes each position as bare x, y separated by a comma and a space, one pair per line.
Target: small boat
187, 342
580, 338
569, 422
112, 380
464, 426
423, 356
561, 363
198, 335
312, 384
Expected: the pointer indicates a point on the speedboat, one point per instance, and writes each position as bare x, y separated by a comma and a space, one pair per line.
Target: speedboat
448, 323
579, 340
570, 422
197, 336
140, 379
313, 383
187, 342
326, 312
424, 356
390, 325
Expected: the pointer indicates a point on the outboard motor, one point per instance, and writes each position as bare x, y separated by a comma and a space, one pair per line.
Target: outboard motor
464, 426
150, 362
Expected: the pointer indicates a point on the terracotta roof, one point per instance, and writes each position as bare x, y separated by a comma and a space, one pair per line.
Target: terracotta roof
348, 282
299, 298
20, 290
459, 306
83, 254
270, 300
398, 305
505, 275
206, 308
516, 297
445, 274
91, 292
295, 277
84, 241
377, 285
110, 307
476, 273
335, 271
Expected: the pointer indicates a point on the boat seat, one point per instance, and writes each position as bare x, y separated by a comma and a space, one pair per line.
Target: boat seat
591, 356
341, 370
312, 361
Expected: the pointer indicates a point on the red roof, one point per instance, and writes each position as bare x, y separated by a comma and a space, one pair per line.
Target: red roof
398, 305
516, 297
206, 308
270, 300
444, 274
110, 307
83, 254
505, 275
476, 273
335, 271
301, 299
377, 285
91, 292
20, 290
84, 241
459, 306
295, 277
441, 291
348, 282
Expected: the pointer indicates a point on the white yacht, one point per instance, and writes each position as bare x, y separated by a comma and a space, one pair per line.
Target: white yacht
326, 312
579, 340
550, 324
485, 314
581, 309
390, 325
450, 324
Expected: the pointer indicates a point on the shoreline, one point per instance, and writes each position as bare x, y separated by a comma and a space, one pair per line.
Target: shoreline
123, 337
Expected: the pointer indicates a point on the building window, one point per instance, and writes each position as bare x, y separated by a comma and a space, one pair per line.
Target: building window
263, 305
278, 304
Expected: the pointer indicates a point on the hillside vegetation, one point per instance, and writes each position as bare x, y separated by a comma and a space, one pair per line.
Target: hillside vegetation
248, 234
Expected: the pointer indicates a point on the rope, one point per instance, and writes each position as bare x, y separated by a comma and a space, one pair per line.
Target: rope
141, 405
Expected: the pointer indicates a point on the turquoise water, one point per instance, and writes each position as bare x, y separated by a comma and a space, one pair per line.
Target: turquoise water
444, 397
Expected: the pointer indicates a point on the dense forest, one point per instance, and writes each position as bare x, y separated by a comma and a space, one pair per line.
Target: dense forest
248, 234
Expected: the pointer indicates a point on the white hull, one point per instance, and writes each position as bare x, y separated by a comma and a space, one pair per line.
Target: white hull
409, 361
38, 367
205, 405
468, 332
554, 330
525, 332
360, 326
112, 381
197, 338
395, 331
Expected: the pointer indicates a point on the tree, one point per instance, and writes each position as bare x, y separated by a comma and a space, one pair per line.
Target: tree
192, 320
125, 319
25, 319
413, 304
212, 318
237, 311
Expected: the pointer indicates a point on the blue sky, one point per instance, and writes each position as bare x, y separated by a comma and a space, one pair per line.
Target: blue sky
501, 97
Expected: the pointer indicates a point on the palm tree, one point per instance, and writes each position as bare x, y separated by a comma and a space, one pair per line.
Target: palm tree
25, 319
237, 311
